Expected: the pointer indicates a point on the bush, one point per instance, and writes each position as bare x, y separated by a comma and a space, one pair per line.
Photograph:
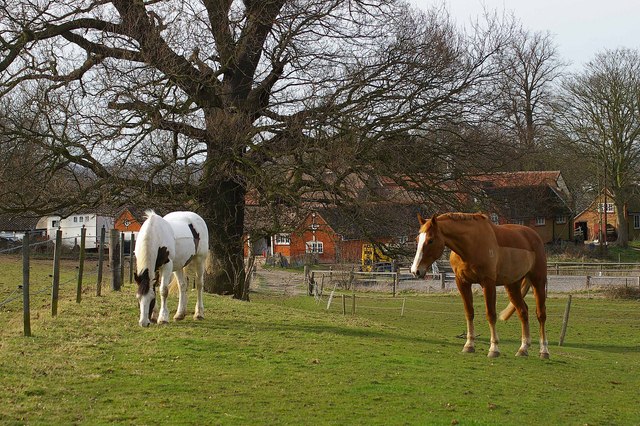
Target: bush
619, 292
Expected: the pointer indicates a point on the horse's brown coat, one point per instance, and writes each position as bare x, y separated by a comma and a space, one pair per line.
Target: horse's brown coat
509, 255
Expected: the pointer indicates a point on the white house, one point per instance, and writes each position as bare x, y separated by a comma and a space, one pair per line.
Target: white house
71, 227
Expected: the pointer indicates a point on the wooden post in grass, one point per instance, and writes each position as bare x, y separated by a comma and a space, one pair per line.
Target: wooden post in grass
344, 305
25, 285
83, 237
114, 260
56, 273
100, 261
121, 255
353, 307
588, 285
442, 277
404, 299
565, 321
395, 283
132, 246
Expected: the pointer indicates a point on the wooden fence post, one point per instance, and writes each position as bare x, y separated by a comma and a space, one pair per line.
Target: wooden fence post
395, 283
353, 307
121, 255
312, 282
56, 273
404, 299
344, 305
83, 236
100, 261
588, 284
25, 285
442, 278
114, 260
565, 321
132, 246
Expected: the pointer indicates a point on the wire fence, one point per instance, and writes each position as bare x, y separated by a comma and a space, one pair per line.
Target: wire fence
25, 291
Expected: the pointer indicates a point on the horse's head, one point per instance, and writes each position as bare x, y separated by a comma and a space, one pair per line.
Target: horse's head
430, 246
146, 297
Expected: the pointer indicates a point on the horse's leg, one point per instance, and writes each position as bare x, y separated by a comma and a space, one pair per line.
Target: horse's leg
540, 293
489, 289
165, 280
515, 296
199, 312
467, 299
181, 312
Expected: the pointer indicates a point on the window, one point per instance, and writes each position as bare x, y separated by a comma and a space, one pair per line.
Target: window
86, 218
75, 219
81, 219
315, 247
283, 239
494, 218
610, 208
636, 221
561, 219
54, 223
540, 221
517, 221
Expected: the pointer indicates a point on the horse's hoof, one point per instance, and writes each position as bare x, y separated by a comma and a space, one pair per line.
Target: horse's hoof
544, 355
522, 352
468, 350
163, 322
493, 354
178, 317
198, 317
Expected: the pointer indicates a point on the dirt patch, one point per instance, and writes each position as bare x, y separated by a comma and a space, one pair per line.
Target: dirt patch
278, 281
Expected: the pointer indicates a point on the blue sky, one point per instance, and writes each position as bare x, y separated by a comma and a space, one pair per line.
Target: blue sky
580, 28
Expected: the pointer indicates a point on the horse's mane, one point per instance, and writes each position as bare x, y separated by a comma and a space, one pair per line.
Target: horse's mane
463, 216
146, 257
148, 213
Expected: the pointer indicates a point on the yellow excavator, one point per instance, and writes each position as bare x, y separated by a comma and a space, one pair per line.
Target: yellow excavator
374, 260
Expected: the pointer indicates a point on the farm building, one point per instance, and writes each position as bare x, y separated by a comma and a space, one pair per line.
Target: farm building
337, 235
540, 200
13, 227
129, 220
71, 226
590, 222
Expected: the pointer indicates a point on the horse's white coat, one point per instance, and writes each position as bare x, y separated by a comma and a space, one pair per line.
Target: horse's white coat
172, 231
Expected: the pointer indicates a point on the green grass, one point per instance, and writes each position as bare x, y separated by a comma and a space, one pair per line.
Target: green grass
282, 360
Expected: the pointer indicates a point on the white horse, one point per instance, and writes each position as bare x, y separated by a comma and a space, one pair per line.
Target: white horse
167, 245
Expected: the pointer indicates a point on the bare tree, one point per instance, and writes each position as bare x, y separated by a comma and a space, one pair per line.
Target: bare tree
199, 102
599, 115
530, 66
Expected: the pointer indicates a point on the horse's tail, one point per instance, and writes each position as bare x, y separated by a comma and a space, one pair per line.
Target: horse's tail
510, 309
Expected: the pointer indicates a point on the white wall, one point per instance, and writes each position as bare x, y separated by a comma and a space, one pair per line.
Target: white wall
71, 228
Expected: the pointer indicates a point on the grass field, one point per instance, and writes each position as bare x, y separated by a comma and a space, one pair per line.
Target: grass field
279, 360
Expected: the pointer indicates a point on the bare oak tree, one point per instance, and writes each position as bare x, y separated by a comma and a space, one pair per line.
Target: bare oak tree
530, 66
201, 102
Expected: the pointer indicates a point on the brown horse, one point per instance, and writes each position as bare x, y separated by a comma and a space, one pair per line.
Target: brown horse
492, 255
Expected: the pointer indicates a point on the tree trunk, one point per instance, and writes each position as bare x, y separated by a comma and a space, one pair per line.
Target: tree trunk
222, 204
623, 228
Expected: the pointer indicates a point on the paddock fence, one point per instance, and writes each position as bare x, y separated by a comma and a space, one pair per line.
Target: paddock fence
117, 265
568, 279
